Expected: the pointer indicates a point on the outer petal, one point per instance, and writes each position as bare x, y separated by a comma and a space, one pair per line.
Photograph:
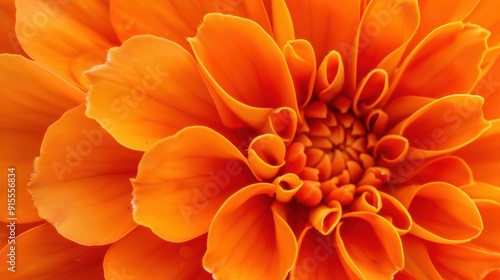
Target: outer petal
318, 258
81, 185
9, 42
328, 25
483, 155
441, 212
418, 264
32, 99
248, 238
41, 253
177, 20
6, 234
245, 70
149, 74
383, 33
489, 88
143, 255
369, 245
436, 13
68, 36
488, 240
481, 15
443, 126
446, 62
184, 179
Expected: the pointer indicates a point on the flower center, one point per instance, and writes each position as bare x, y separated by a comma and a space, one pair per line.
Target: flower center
333, 148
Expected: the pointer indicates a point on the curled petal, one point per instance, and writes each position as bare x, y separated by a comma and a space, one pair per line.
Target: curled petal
266, 155
68, 36
184, 179
227, 48
325, 218
444, 125
132, 17
370, 92
84, 182
391, 150
441, 212
68, 260
317, 258
26, 111
299, 56
369, 245
149, 74
442, 68
482, 155
330, 77
178, 260
267, 247
395, 213
368, 199
282, 122
400, 108
287, 186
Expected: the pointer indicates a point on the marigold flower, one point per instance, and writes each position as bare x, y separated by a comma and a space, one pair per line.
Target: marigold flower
275, 139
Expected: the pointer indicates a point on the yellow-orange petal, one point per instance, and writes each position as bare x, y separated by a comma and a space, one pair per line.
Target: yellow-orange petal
489, 88
299, 56
447, 61
482, 155
141, 253
32, 99
283, 28
81, 185
444, 125
184, 179
371, 91
265, 244
488, 240
448, 168
481, 15
382, 35
244, 69
441, 212
402, 107
149, 74
369, 245
68, 36
266, 155
42, 253
418, 264
177, 20
7, 233
282, 122
330, 77
481, 190
462, 261
324, 218
395, 213
317, 258
9, 42
325, 25
436, 13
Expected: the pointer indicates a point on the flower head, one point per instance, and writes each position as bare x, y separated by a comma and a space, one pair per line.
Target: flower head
280, 140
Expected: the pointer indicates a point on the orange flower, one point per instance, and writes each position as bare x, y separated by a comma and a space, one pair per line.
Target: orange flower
281, 140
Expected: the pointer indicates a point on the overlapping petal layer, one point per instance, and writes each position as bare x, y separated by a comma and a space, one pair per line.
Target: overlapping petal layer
82, 186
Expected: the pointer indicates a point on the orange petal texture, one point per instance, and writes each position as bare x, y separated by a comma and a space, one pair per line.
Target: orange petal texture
42, 253
184, 179
82, 187
177, 260
250, 222
83, 26
27, 110
251, 139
